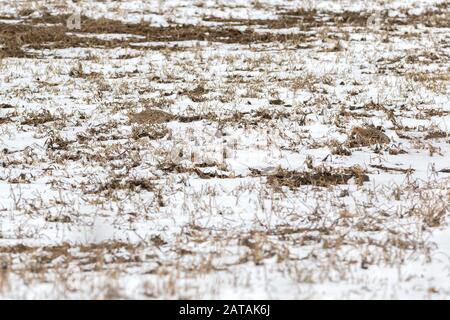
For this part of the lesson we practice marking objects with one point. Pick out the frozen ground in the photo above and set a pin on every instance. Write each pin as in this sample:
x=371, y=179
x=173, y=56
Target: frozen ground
x=225, y=149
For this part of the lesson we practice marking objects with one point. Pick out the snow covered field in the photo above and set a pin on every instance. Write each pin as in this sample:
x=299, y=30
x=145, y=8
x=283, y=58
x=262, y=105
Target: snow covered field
x=210, y=149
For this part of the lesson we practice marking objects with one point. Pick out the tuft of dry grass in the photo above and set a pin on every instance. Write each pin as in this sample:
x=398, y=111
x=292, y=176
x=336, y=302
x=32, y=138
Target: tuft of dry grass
x=322, y=177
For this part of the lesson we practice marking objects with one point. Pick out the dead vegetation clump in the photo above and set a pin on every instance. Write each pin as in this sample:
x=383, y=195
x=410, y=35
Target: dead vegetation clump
x=56, y=142
x=436, y=134
x=35, y=118
x=432, y=212
x=198, y=117
x=198, y=169
x=384, y=168
x=58, y=218
x=379, y=107
x=435, y=81
x=87, y=256
x=265, y=114
x=338, y=148
x=322, y=177
x=122, y=183
x=5, y=119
